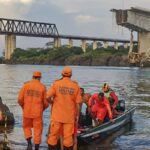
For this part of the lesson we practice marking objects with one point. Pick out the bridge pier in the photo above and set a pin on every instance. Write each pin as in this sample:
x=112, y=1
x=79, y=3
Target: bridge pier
x=125, y=45
x=57, y=42
x=105, y=44
x=144, y=42
x=116, y=45
x=94, y=45
x=10, y=45
x=83, y=45
x=70, y=43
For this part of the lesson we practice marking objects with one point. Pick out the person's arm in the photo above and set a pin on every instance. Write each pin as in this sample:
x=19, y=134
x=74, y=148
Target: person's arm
x=46, y=104
x=107, y=104
x=78, y=113
x=50, y=94
x=78, y=102
x=21, y=97
x=90, y=102
x=115, y=98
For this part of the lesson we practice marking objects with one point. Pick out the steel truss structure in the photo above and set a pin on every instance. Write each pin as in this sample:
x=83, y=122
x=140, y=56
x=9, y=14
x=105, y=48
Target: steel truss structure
x=27, y=28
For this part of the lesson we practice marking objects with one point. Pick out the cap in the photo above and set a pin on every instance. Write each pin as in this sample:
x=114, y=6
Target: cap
x=67, y=72
x=37, y=74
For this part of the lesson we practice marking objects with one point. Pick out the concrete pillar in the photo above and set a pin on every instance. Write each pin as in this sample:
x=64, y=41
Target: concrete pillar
x=57, y=42
x=94, y=45
x=83, y=45
x=116, y=45
x=70, y=43
x=131, y=42
x=105, y=44
x=10, y=45
x=143, y=42
x=125, y=45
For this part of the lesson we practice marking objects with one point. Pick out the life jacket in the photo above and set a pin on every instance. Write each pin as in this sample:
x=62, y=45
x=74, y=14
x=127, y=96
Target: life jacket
x=107, y=94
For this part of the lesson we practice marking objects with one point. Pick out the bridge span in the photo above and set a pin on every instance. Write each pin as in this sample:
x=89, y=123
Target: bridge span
x=12, y=28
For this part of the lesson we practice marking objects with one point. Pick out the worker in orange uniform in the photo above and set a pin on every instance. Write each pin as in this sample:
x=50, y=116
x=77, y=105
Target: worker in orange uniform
x=112, y=97
x=32, y=99
x=65, y=110
x=99, y=105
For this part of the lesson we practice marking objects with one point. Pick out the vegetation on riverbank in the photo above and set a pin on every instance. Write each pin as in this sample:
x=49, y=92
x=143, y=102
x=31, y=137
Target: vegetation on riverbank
x=71, y=56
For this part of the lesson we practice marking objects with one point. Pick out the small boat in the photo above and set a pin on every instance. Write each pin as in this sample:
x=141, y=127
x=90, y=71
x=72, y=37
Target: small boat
x=93, y=134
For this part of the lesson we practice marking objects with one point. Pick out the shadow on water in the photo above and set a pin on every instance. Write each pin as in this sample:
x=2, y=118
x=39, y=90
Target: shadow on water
x=107, y=142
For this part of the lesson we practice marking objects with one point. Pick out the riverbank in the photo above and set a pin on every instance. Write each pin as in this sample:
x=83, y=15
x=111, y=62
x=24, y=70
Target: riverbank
x=72, y=56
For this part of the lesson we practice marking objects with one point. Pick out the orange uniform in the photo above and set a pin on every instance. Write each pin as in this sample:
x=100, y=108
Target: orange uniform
x=100, y=107
x=32, y=99
x=66, y=95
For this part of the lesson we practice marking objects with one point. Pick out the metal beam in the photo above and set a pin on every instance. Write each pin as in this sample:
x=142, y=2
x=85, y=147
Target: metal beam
x=27, y=28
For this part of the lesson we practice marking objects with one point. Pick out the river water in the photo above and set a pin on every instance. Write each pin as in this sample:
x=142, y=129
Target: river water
x=131, y=84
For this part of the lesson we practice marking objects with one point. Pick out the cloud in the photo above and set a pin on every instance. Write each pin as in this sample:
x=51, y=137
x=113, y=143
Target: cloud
x=66, y=6
x=15, y=8
x=16, y=1
x=86, y=19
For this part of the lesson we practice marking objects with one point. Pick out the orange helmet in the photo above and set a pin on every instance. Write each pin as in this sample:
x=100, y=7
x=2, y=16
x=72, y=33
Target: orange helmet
x=67, y=72
x=105, y=87
x=37, y=74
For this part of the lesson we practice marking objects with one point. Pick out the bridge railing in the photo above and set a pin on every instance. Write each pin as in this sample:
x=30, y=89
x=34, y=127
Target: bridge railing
x=27, y=28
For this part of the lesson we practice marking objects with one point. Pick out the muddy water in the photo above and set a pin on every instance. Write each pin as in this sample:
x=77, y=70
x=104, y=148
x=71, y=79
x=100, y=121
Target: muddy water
x=131, y=84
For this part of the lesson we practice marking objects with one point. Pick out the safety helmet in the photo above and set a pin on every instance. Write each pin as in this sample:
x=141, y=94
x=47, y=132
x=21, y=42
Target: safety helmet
x=37, y=74
x=67, y=72
x=105, y=87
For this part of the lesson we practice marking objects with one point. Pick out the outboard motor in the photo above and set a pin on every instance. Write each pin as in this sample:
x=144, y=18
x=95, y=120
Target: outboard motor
x=120, y=106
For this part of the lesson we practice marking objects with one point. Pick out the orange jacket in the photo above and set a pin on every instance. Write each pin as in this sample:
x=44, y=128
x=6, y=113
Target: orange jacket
x=66, y=95
x=32, y=98
x=102, y=104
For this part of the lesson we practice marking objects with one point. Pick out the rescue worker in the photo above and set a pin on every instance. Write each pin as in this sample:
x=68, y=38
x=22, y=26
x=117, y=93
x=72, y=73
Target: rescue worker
x=112, y=97
x=32, y=99
x=65, y=110
x=85, y=96
x=85, y=117
x=100, y=106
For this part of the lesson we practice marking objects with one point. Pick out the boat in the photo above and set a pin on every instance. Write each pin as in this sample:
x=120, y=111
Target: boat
x=93, y=134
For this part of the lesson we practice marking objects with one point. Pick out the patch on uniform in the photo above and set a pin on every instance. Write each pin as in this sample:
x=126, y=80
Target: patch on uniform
x=33, y=93
x=66, y=90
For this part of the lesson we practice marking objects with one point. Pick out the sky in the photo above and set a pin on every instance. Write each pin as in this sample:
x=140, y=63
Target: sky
x=72, y=17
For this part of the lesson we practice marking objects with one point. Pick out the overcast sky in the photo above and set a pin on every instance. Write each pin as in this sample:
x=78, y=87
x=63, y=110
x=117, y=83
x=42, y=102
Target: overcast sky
x=72, y=17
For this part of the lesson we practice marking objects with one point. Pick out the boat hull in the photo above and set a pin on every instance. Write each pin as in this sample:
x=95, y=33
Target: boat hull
x=101, y=132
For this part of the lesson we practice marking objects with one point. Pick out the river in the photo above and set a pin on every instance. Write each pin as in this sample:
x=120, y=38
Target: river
x=131, y=84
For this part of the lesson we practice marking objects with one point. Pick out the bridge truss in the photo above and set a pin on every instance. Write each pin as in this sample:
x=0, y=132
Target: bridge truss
x=27, y=28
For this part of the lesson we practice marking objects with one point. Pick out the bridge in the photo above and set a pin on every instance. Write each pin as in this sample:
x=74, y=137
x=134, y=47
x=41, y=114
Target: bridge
x=136, y=19
x=12, y=28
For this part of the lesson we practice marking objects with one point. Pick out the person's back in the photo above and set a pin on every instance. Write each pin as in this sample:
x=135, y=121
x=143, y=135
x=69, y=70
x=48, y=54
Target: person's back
x=32, y=99
x=65, y=94
x=65, y=110
x=33, y=95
